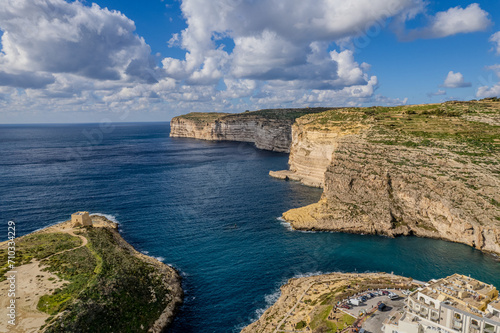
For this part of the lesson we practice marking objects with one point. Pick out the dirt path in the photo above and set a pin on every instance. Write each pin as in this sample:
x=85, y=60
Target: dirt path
x=31, y=284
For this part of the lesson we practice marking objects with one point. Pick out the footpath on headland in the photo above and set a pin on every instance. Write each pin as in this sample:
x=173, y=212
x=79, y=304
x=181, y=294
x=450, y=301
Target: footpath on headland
x=380, y=302
x=86, y=279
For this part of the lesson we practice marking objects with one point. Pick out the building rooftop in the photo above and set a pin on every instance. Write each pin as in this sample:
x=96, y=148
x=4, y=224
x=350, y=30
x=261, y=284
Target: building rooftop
x=462, y=292
x=495, y=304
x=394, y=318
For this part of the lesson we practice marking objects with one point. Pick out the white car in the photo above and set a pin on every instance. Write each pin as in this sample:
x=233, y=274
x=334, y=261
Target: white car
x=393, y=296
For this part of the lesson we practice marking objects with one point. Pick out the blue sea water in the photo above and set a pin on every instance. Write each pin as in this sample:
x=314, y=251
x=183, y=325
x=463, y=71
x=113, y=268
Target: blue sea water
x=209, y=209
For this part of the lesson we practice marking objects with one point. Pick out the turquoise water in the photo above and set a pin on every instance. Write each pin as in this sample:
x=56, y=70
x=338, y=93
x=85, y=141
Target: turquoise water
x=209, y=209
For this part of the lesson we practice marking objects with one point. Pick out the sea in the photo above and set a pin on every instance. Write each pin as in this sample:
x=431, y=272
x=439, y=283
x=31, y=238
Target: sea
x=209, y=209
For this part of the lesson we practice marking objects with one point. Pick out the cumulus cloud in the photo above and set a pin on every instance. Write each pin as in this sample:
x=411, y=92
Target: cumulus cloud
x=455, y=80
x=280, y=53
x=485, y=91
x=454, y=21
x=276, y=40
x=54, y=36
x=24, y=79
x=495, y=39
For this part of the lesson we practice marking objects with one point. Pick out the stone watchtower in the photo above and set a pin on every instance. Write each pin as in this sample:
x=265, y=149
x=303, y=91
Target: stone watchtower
x=81, y=219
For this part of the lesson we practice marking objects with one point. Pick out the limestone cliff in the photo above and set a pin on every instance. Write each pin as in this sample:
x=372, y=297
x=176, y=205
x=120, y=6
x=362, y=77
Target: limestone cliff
x=268, y=129
x=428, y=170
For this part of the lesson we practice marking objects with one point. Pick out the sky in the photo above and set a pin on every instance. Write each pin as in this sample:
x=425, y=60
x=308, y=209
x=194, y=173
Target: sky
x=128, y=60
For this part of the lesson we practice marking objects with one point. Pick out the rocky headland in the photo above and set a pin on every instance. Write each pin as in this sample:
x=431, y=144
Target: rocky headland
x=87, y=279
x=308, y=304
x=267, y=129
x=426, y=170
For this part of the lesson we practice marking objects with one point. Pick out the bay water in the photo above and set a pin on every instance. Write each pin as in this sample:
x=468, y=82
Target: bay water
x=209, y=209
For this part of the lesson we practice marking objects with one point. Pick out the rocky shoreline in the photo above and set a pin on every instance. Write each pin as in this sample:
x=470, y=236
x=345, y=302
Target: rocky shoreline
x=310, y=301
x=52, y=278
x=436, y=188
x=425, y=170
x=172, y=279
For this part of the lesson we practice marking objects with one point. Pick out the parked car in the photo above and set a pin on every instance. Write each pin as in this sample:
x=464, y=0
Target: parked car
x=363, y=298
x=385, y=292
x=355, y=301
x=393, y=296
x=381, y=306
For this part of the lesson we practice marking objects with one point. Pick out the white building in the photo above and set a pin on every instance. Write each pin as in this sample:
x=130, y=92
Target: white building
x=454, y=304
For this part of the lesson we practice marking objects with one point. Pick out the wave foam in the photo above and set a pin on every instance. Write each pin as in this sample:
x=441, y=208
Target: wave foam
x=110, y=217
x=272, y=298
x=303, y=275
x=284, y=223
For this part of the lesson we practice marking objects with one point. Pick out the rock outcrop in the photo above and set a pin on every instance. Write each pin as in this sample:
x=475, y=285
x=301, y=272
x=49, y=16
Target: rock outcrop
x=312, y=150
x=267, y=129
x=89, y=279
x=413, y=170
x=304, y=301
x=426, y=170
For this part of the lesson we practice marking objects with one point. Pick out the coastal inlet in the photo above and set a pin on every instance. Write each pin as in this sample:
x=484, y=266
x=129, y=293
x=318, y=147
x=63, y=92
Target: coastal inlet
x=179, y=199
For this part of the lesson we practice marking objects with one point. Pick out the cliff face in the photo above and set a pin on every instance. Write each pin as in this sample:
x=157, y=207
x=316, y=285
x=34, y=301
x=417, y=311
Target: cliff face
x=268, y=129
x=312, y=150
x=401, y=174
x=266, y=134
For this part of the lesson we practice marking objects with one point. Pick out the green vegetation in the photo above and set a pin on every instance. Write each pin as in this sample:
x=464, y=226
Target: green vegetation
x=106, y=289
x=321, y=323
x=110, y=290
x=286, y=114
x=467, y=128
x=77, y=267
x=279, y=114
x=300, y=325
x=37, y=246
x=203, y=117
x=320, y=316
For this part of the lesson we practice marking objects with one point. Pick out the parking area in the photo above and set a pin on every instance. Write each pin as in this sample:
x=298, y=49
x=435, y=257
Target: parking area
x=373, y=324
x=370, y=303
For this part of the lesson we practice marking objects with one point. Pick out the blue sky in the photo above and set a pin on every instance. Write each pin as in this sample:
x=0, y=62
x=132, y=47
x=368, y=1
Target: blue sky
x=66, y=61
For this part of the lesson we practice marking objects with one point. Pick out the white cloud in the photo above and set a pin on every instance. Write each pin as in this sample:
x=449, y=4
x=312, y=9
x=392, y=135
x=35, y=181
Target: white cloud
x=275, y=40
x=279, y=46
x=455, y=80
x=24, y=79
x=495, y=39
x=454, y=21
x=485, y=91
x=54, y=36
x=58, y=53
